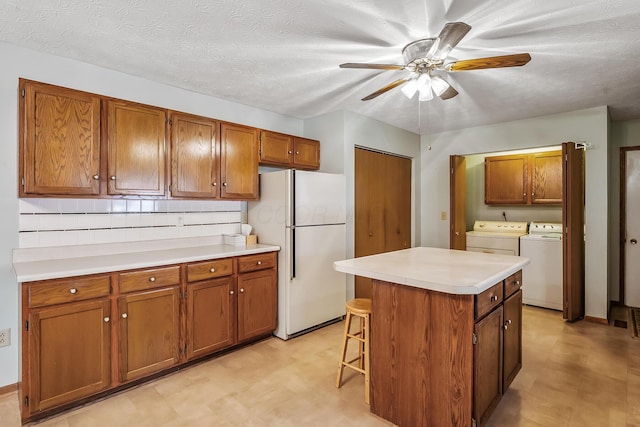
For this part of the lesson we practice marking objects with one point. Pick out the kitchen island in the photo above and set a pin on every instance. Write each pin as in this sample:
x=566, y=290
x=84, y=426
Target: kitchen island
x=446, y=336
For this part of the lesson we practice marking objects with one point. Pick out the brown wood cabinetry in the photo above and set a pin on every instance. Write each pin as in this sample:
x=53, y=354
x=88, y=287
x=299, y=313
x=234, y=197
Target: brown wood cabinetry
x=238, y=162
x=59, y=141
x=524, y=179
x=277, y=149
x=87, y=335
x=136, y=145
x=66, y=342
x=257, y=295
x=487, y=369
x=195, y=169
x=512, y=362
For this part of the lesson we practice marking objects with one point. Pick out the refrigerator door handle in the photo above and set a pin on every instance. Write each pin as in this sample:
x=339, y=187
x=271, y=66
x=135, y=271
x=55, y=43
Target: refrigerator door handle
x=292, y=261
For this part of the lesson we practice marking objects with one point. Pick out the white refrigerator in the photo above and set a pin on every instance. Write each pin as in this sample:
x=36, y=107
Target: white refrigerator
x=304, y=213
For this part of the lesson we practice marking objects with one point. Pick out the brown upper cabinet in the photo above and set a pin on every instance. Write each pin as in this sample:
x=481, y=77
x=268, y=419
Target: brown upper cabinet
x=59, y=141
x=238, y=162
x=523, y=179
x=277, y=149
x=136, y=145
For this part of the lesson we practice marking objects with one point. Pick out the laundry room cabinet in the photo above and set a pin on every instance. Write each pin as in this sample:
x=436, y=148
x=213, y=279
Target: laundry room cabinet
x=524, y=179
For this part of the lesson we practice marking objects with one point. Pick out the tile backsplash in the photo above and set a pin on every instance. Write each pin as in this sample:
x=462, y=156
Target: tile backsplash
x=61, y=222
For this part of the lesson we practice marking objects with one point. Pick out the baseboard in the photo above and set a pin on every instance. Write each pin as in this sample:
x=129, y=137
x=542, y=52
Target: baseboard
x=8, y=389
x=596, y=320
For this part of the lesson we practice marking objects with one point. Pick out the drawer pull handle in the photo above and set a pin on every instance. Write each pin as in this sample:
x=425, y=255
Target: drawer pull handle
x=124, y=315
x=518, y=282
x=259, y=262
x=106, y=320
x=73, y=291
x=241, y=290
x=152, y=279
x=230, y=292
x=212, y=270
x=494, y=298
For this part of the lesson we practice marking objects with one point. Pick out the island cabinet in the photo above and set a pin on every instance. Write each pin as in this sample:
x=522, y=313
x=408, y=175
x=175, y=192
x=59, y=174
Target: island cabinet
x=60, y=141
x=524, y=179
x=67, y=331
x=277, y=149
x=149, y=321
x=416, y=332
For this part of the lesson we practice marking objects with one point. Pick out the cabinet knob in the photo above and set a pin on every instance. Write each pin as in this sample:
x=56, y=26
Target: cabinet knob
x=152, y=279
x=505, y=327
x=213, y=184
x=124, y=315
x=289, y=152
x=533, y=194
x=230, y=292
x=96, y=176
x=112, y=177
x=524, y=194
x=106, y=320
x=508, y=322
x=297, y=152
x=241, y=290
x=494, y=298
x=457, y=233
x=73, y=291
x=259, y=262
x=224, y=184
x=518, y=282
x=212, y=270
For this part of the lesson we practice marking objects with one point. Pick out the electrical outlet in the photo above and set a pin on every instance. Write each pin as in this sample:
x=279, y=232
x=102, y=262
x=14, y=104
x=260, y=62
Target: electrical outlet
x=5, y=337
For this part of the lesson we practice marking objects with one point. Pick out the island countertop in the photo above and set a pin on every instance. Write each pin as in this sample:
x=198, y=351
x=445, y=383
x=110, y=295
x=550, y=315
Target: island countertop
x=436, y=269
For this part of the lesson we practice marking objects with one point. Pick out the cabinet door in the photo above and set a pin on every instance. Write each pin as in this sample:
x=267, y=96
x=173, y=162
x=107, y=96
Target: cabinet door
x=194, y=157
x=136, y=145
x=306, y=153
x=256, y=304
x=505, y=180
x=546, y=178
x=238, y=162
x=60, y=141
x=512, y=338
x=487, y=358
x=69, y=353
x=149, y=332
x=211, y=314
x=276, y=148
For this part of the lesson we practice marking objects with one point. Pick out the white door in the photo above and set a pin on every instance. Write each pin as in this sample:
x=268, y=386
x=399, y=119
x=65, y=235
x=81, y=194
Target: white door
x=317, y=293
x=632, y=226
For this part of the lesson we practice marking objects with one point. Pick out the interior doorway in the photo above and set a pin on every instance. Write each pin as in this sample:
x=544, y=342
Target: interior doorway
x=382, y=207
x=630, y=226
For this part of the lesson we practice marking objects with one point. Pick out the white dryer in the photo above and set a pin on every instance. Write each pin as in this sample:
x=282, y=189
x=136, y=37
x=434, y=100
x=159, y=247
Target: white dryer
x=496, y=237
x=542, y=277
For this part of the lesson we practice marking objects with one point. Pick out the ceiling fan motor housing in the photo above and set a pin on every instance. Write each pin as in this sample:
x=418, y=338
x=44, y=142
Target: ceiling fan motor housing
x=417, y=52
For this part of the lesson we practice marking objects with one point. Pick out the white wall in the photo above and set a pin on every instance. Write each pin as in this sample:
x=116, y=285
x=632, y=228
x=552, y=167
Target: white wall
x=18, y=62
x=589, y=125
x=340, y=133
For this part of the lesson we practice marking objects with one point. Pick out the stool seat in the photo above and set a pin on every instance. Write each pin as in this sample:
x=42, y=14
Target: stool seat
x=360, y=308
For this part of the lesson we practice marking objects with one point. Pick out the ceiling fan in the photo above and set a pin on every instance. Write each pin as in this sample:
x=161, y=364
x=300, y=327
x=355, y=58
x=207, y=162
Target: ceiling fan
x=425, y=56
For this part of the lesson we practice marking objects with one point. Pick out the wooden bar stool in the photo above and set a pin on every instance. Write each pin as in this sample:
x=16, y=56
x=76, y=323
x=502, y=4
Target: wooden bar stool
x=360, y=308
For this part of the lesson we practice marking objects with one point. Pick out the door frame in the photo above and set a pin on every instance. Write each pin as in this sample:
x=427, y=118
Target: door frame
x=623, y=218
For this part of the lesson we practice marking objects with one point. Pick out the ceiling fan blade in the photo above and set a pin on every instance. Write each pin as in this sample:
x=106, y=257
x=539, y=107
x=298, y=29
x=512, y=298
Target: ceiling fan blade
x=372, y=66
x=448, y=38
x=385, y=88
x=516, y=60
x=449, y=93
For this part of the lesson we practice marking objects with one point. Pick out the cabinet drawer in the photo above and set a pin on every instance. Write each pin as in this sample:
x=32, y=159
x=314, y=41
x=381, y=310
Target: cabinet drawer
x=512, y=283
x=488, y=300
x=68, y=290
x=149, y=279
x=209, y=269
x=256, y=262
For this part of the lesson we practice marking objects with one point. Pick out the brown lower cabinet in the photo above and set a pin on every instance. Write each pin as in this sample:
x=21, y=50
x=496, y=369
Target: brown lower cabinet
x=84, y=336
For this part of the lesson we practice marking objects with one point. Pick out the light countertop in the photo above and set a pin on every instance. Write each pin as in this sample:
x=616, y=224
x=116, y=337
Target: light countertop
x=67, y=261
x=443, y=270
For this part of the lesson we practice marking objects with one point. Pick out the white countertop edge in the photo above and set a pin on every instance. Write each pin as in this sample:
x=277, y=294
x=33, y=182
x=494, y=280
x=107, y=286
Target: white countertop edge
x=29, y=271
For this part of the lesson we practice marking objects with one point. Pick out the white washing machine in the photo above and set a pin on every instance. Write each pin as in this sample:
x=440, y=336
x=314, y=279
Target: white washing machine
x=542, y=277
x=496, y=237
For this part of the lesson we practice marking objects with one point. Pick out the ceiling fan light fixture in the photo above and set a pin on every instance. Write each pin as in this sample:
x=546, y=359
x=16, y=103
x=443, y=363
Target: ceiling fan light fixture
x=424, y=87
x=410, y=88
x=439, y=85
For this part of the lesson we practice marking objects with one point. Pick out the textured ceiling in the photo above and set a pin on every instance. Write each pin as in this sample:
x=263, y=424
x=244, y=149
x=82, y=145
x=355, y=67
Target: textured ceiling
x=283, y=55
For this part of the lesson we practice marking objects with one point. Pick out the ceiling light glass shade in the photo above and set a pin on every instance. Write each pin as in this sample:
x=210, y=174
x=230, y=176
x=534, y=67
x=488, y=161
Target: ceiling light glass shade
x=424, y=87
x=439, y=85
x=410, y=88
